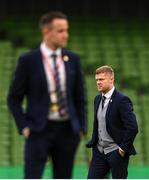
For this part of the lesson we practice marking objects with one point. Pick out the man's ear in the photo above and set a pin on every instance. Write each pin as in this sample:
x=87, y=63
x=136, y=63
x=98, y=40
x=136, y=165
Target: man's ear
x=112, y=78
x=45, y=30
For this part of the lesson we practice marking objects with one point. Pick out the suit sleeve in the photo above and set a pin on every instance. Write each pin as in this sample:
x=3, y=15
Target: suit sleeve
x=130, y=124
x=81, y=100
x=94, y=138
x=16, y=94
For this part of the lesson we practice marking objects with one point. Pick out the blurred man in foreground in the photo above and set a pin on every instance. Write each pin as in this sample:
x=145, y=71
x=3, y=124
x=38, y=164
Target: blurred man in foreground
x=50, y=78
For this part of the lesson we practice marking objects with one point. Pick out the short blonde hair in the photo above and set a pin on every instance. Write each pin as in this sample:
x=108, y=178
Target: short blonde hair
x=105, y=69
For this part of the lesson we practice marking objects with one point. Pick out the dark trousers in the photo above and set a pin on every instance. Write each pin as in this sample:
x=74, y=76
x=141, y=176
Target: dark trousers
x=101, y=164
x=57, y=142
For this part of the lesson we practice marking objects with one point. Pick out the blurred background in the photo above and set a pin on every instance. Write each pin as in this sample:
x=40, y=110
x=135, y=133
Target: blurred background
x=111, y=32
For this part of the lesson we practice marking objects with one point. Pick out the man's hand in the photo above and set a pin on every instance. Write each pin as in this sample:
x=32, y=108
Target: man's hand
x=121, y=152
x=26, y=132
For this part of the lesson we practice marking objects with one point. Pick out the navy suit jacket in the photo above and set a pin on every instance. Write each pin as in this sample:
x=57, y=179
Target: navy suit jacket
x=30, y=81
x=121, y=122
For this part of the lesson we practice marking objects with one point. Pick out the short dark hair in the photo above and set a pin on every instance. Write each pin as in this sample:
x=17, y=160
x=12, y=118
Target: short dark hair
x=49, y=17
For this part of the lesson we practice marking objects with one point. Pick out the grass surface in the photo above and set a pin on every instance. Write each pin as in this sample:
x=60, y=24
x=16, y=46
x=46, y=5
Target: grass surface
x=80, y=172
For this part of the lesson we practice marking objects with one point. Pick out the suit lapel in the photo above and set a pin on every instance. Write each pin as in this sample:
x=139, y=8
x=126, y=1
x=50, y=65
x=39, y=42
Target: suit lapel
x=65, y=59
x=110, y=105
x=41, y=69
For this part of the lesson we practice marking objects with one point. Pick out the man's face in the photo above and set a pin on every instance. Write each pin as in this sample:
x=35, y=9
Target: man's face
x=104, y=82
x=57, y=34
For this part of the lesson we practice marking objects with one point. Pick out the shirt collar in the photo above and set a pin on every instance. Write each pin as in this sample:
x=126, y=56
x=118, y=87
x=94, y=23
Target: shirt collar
x=48, y=52
x=109, y=93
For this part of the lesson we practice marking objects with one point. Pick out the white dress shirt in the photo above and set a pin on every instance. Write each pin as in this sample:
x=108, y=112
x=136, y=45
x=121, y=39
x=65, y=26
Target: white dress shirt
x=49, y=66
x=49, y=71
x=108, y=96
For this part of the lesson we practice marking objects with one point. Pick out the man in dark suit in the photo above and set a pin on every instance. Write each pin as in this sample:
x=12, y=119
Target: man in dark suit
x=114, y=130
x=54, y=120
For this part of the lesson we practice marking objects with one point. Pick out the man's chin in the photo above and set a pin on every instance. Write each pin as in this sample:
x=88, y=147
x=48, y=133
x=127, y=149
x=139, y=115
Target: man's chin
x=100, y=90
x=63, y=45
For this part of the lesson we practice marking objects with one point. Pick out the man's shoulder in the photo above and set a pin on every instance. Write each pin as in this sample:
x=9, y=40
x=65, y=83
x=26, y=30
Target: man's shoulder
x=31, y=53
x=69, y=53
x=120, y=95
x=97, y=97
x=30, y=56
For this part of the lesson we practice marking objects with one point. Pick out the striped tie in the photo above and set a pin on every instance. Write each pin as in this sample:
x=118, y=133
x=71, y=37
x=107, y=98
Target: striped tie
x=103, y=101
x=61, y=98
